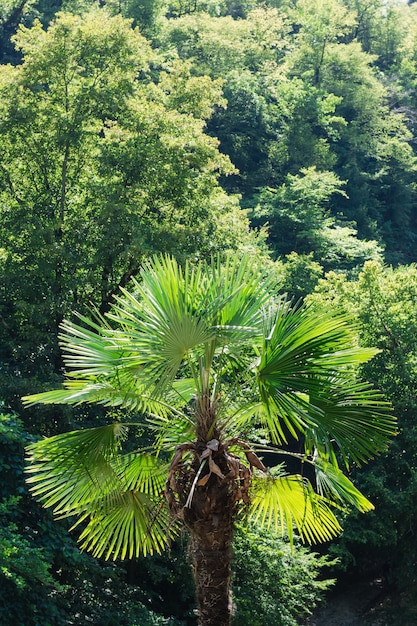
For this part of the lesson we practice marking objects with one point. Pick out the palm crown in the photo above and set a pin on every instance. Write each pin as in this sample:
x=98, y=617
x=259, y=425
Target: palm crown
x=222, y=372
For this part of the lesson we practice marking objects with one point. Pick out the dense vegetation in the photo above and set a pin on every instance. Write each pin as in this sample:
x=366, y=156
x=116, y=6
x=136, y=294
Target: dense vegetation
x=286, y=129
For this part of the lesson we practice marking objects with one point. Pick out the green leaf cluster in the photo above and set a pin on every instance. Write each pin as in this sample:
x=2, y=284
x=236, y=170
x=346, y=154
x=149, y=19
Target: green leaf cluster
x=383, y=300
x=211, y=352
x=274, y=585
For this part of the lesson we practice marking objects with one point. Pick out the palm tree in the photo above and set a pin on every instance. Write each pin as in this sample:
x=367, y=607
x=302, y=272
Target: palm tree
x=221, y=371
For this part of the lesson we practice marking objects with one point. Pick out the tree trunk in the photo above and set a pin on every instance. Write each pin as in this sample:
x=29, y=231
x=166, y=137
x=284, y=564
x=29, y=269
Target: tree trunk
x=206, y=496
x=210, y=520
x=212, y=575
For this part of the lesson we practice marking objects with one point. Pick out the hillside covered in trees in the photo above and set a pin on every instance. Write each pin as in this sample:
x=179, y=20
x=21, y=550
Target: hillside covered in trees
x=286, y=130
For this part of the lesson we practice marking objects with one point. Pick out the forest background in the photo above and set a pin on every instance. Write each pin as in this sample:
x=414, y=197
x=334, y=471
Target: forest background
x=196, y=127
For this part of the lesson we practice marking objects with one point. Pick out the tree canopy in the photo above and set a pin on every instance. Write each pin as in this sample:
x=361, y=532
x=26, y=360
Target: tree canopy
x=285, y=131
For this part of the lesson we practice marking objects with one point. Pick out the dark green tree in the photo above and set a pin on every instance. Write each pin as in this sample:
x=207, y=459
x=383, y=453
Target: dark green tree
x=383, y=300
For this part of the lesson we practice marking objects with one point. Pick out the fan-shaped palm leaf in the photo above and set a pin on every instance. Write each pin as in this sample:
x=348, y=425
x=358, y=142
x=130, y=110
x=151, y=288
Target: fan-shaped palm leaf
x=123, y=391
x=334, y=485
x=83, y=473
x=355, y=420
x=133, y=524
x=306, y=382
x=285, y=502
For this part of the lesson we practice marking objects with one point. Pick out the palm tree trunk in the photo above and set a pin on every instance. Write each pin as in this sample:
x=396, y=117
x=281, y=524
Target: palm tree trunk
x=210, y=521
x=212, y=574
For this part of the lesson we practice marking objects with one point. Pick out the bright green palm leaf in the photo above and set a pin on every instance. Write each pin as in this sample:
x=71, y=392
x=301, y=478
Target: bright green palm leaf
x=82, y=473
x=87, y=444
x=121, y=391
x=134, y=524
x=88, y=465
x=158, y=345
x=305, y=380
x=142, y=472
x=89, y=348
x=247, y=293
x=301, y=348
x=285, y=502
x=355, y=420
x=69, y=470
x=334, y=485
x=170, y=433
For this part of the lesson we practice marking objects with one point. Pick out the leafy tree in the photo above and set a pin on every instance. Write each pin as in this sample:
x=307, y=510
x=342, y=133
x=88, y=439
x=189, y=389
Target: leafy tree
x=380, y=28
x=285, y=588
x=143, y=13
x=300, y=274
x=302, y=93
x=273, y=119
x=220, y=45
x=380, y=176
x=11, y=13
x=296, y=212
x=372, y=147
x=299, y=218
x=319, y=24
x=221, y=367
x=383, y=300
x=104, y=160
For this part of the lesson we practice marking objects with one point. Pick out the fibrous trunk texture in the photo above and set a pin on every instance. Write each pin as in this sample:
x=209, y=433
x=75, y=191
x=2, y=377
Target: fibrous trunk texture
x=205, y=493
x=210, y=519
x=212, y=574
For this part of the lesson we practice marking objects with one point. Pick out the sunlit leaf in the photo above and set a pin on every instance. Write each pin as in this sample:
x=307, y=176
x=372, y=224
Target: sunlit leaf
x=283, y=503
x=333, y=484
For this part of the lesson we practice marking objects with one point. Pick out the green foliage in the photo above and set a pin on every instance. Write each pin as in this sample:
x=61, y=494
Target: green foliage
x=381, y=28
x=104, y=160
x=301, y=274
x=274, y=585
x=383, y=300
x=297, y=210
x=44, y=579
x=12, y=12
x=20, y=562
x=191, y=333
x=299, y=217
x=23, y=565
x=321, y=24
x=109, y=152
x=309, y=95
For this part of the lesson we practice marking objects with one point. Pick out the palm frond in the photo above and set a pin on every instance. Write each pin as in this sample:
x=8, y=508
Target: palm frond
x=355, y=420
x=334, y=485
x=141, y=471
x=285, y=502
x=123, y=391
x=306, y=378
x=158, y=345
x=82, y=473
x=69, y=470
x=244, y=293
x=301, y=344
x=240, y=417
x=87, y=445
x=170, y=433
x=133, y=524
x=90, y=349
